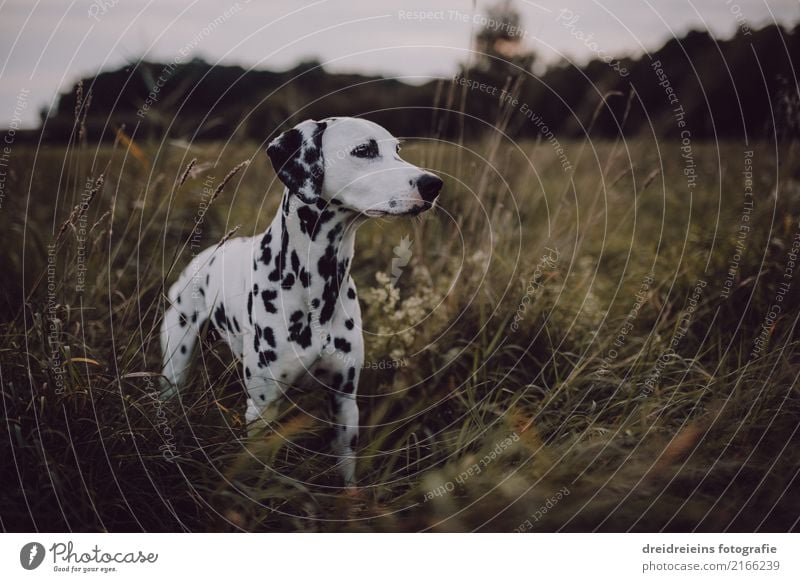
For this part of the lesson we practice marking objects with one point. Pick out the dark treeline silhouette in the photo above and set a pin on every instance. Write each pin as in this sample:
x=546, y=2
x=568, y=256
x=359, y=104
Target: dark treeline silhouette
x=745, y=85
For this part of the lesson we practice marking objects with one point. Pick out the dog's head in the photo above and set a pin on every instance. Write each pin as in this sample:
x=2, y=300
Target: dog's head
x=353, y=163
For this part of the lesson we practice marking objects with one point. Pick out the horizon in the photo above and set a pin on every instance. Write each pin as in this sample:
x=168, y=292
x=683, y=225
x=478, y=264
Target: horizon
x=405, y=40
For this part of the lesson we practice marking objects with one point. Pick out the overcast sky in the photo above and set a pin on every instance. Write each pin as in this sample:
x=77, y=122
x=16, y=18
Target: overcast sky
x=46, y=45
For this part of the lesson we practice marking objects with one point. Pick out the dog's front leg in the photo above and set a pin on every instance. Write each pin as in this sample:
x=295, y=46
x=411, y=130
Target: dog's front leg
x=346, y=439
x=341, y=371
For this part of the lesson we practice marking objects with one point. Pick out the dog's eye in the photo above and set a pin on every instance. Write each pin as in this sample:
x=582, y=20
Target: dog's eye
x=366, y=150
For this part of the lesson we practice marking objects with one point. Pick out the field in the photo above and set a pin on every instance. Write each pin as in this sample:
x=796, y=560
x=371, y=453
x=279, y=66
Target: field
x=604, y=344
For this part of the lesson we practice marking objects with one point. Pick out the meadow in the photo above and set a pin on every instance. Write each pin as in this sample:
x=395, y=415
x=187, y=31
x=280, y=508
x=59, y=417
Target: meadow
x=609, y=344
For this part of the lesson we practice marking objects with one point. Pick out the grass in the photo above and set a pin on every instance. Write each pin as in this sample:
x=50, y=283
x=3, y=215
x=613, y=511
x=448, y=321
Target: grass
x=527, y=373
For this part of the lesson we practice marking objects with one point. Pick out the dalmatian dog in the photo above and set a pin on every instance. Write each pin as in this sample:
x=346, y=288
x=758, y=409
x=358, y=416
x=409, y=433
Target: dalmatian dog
x=284, y=300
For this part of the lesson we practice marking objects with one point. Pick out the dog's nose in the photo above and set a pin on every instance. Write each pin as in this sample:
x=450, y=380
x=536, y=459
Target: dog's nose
x=429, y=186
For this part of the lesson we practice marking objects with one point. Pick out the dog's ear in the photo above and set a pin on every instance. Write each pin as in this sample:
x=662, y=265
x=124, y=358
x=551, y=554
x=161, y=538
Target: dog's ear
x=297, y=158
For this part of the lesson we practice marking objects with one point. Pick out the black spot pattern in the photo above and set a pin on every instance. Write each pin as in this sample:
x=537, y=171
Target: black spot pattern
x=256, y=337
x=300, y=332
x=280, y=258
x=267, y=297
x=329, y=271
x=221, y=319
x=312, y=221
x=298, y=162
x=265, y=357
x=342, y=345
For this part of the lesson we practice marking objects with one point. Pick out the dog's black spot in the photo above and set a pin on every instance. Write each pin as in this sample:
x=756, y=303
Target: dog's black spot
x=311, y=156
x=351, y=293
x=221, y=319
x=280, y=258
x=288, y=282
x=268, y=296
x=250, y=306
x=331, y=274
x=247, y=373
x=308, y=220
x=182, y=321
x=285, y=204
x=299, y=332
x=333, y=234
x=262, y=397
x=266, y=250
x=315, y=302
x=305, y=277
x=311, y=222
x=266, y=255
x=183, y=349
x=349, y=324
x=265, y=357
x=178, y=299
x=194, y=317
x=207, y=279
x=268, y=335
x=342, y=345
x=343, y=265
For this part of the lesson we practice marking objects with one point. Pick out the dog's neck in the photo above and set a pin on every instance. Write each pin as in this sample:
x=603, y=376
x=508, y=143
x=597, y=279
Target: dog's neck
x=312, y=248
